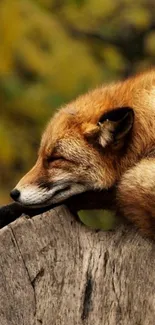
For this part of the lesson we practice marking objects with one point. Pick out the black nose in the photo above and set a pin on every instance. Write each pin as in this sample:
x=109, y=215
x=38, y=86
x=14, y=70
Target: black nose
x=15, y=194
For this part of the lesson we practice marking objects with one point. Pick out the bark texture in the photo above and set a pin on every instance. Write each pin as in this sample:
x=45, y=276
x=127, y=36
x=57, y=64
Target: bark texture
x=55, y=271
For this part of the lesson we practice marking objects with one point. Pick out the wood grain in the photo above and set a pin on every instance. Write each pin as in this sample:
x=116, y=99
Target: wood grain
x=55, y=271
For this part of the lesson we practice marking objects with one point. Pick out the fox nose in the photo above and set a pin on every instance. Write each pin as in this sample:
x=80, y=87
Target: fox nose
x=15, y=194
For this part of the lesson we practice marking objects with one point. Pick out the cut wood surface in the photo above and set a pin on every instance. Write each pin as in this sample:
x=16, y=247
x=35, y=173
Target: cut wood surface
x=53, y=271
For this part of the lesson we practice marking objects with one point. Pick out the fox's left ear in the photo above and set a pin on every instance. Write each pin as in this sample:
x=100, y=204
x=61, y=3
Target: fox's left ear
x=115, y=125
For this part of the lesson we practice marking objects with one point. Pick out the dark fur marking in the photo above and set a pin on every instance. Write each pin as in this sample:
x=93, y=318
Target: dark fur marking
x=116, y=114
x=42, y=183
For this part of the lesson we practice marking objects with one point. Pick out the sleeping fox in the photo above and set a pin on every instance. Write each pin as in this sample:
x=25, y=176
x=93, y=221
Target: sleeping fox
x=103, y=139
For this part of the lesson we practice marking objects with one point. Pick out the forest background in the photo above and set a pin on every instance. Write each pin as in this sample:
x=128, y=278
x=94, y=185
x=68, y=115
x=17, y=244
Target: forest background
x=53, y=50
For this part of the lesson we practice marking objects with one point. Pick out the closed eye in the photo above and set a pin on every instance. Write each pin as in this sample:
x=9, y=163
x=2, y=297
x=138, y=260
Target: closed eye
x=51, y=159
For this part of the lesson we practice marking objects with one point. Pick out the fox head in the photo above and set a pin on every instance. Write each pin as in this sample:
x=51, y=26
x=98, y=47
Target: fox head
x=89, y=143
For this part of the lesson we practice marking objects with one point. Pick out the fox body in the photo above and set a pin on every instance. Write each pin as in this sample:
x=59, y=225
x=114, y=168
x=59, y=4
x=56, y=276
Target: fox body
x=103, y=139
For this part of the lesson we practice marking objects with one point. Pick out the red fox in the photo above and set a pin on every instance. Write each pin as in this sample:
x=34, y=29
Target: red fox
x=103, y=139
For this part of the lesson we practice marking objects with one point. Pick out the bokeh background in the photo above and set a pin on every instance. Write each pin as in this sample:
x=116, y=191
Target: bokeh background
x=53, y=50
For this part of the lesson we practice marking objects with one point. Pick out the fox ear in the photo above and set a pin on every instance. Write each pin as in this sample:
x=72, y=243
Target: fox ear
x=115, y=125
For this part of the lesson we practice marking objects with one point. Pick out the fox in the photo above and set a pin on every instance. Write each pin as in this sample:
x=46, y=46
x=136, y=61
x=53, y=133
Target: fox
x=103, y=140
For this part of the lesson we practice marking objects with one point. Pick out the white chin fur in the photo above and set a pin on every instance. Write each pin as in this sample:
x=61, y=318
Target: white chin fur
x=36, y=196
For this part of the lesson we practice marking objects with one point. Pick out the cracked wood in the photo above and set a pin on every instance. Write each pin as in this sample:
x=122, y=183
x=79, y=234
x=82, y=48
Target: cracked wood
x=55, y=271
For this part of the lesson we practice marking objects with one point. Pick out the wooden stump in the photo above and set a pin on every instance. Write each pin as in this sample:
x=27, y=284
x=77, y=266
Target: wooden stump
x=55, y=271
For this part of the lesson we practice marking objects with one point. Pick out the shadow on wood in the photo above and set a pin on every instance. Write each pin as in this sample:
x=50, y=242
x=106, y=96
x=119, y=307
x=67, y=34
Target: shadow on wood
x=55, y=271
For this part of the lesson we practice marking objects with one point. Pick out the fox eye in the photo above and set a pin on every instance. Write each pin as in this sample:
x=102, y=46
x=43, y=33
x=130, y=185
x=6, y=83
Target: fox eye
x=51, y=159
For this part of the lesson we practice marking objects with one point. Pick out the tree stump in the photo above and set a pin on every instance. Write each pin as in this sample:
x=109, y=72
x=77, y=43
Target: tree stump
x=55, y=271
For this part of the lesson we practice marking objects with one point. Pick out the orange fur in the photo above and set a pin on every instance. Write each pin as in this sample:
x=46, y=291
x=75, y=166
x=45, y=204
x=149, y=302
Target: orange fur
x=78, y=149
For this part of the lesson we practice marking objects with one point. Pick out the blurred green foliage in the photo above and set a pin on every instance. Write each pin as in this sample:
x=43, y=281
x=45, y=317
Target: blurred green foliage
x=53, y=50
x=99, y=219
